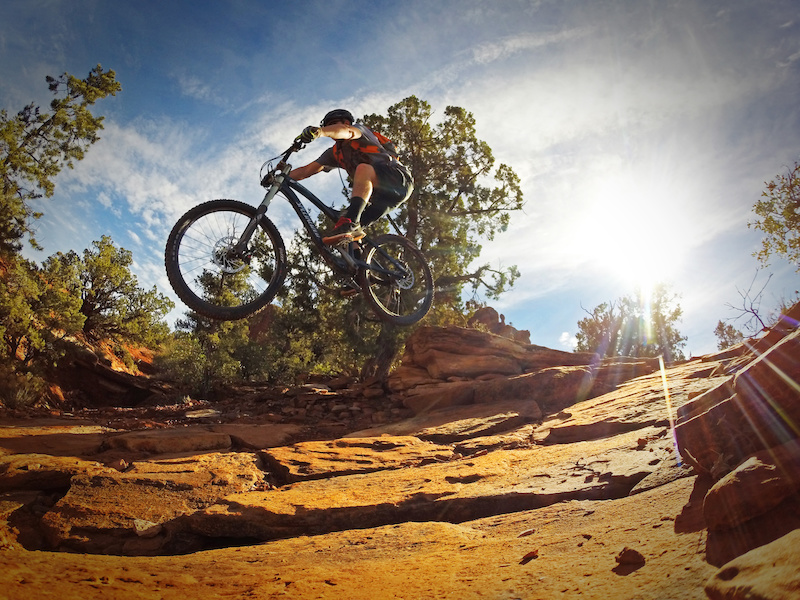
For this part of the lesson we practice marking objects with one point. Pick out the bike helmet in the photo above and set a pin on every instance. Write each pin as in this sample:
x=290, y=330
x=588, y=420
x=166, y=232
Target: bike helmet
x=339, y=113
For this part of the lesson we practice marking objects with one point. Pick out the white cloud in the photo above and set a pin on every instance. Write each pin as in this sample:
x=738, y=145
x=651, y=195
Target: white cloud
x=567, y=340
x=499, y=50
x=196, y=87
x=656, y=120
x=790, y=60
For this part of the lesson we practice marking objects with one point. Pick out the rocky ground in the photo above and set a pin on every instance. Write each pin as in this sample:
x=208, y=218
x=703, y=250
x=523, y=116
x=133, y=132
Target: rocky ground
x=484, y=468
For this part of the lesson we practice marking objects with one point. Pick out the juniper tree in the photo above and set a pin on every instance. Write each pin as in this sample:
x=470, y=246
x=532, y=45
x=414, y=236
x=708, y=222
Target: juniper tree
x=35, y=145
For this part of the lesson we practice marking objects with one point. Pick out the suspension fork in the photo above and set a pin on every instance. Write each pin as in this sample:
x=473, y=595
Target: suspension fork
x=244, y=239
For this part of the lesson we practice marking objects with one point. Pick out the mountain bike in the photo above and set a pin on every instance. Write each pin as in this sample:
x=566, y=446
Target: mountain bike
x=226, y=259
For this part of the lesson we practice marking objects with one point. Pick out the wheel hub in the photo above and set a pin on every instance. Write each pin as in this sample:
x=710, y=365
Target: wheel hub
x=407, y=282
x=225, y=258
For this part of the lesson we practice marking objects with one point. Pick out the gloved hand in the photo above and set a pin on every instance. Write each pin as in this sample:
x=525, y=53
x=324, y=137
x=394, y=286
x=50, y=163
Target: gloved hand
x=309, y=134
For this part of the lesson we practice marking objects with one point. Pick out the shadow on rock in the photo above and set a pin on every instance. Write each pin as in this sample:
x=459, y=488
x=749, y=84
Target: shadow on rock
x=691, y=518
x=724, y=545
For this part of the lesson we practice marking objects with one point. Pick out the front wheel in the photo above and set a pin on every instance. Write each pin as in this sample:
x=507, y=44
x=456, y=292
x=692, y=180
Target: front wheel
x=212, y=272
x=398, y=284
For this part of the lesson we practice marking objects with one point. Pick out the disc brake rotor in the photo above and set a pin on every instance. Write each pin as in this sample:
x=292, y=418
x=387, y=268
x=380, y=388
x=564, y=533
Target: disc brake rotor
x=222, y=255
x=407, y=282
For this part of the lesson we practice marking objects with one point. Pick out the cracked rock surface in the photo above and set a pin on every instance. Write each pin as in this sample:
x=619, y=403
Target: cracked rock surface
x=571, y=490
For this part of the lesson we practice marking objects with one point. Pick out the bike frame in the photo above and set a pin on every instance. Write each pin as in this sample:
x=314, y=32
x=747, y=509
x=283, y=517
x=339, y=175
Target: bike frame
x=288, y=188
x=340, y=260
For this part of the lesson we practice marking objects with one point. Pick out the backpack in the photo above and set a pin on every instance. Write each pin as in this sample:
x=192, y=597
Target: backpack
x=378, y=144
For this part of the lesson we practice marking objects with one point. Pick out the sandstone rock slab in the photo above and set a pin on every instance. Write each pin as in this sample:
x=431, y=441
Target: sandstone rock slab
x=42, y=471
x=103, y=512
x=441, y=365
x=169, y=441
x=576, y=541
x=769, y=573
x=638, y=403
x=348, y=456
x=760, y=409
x=53, y=437
x=452, y=491
x=455, y=422
x=753, y=488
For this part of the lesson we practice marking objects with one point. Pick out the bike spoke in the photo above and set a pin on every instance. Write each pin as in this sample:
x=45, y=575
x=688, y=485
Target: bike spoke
x=398, y=280
x=208, y=271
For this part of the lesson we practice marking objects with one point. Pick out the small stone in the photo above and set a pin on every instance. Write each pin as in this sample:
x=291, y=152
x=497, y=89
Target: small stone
x=629, y=556
x=203, y=413
x=120, y=465
x=372, y=393
x=527, y=532
x=146, y=529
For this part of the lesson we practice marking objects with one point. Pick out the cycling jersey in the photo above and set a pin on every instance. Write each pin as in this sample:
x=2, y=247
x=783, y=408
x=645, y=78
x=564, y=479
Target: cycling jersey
x=371, y=148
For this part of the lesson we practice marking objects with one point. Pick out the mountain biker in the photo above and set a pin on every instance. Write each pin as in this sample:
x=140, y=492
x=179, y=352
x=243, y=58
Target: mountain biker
x=381, y=182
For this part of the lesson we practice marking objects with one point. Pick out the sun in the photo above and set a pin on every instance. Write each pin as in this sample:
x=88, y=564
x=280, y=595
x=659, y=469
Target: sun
x=629, y=234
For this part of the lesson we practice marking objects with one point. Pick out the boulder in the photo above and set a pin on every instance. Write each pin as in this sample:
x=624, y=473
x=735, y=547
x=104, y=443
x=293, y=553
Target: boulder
x=488, y=318
x=769, y=573
x=759, y=408
x=441, y=365
x=755, y=487
x=450, y=366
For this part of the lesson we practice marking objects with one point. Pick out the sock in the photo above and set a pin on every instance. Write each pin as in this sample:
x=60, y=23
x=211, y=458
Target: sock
x=357, y=205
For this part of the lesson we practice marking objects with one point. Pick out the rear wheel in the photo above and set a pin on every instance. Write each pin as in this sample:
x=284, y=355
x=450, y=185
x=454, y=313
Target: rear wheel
x=398, y=285
x=209, y=273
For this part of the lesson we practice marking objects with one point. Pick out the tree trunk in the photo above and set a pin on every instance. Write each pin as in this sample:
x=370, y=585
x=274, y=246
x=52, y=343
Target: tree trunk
x=388, y=343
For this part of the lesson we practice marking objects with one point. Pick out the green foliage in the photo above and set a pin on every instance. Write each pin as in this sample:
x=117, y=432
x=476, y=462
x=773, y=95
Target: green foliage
x=19, y=390
x=778, y=214
x=36, y=145
x=459, y=197
x=182, y=357
x=634, y=325
x=21, y=290
x=727, y=335
x=96, y=295
x=111, y=303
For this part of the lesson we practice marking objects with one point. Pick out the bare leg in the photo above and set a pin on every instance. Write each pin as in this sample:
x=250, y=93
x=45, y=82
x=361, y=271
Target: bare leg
x=364, y=181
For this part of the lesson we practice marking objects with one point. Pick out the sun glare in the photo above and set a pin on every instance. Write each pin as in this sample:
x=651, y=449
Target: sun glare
x=629, y=234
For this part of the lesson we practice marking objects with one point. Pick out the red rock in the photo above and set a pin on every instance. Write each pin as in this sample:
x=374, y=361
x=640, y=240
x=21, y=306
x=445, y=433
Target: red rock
x=756, y=486
x=769, y=572
x=759, y=409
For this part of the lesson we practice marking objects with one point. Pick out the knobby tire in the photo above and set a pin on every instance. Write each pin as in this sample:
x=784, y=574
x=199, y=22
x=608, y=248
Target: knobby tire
x=205, y=273
x=404, y=295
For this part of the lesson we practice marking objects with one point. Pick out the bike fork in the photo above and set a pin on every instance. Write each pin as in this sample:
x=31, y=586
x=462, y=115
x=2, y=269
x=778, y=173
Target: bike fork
x=244, y=239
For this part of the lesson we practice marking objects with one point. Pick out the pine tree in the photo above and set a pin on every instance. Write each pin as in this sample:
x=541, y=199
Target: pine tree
x=36, y=145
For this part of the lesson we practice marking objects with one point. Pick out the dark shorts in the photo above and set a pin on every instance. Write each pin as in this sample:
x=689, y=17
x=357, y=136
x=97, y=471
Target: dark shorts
x=395, y=185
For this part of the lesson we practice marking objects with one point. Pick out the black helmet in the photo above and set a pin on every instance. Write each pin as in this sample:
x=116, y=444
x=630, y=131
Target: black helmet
x=339, y=113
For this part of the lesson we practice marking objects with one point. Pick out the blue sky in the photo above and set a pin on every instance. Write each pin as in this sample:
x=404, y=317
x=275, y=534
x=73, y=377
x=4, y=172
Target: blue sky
x=643, y=131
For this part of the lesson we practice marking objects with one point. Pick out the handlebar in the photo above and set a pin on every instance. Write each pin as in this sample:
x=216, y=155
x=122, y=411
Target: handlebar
x=295, y=147
x=282, y=165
